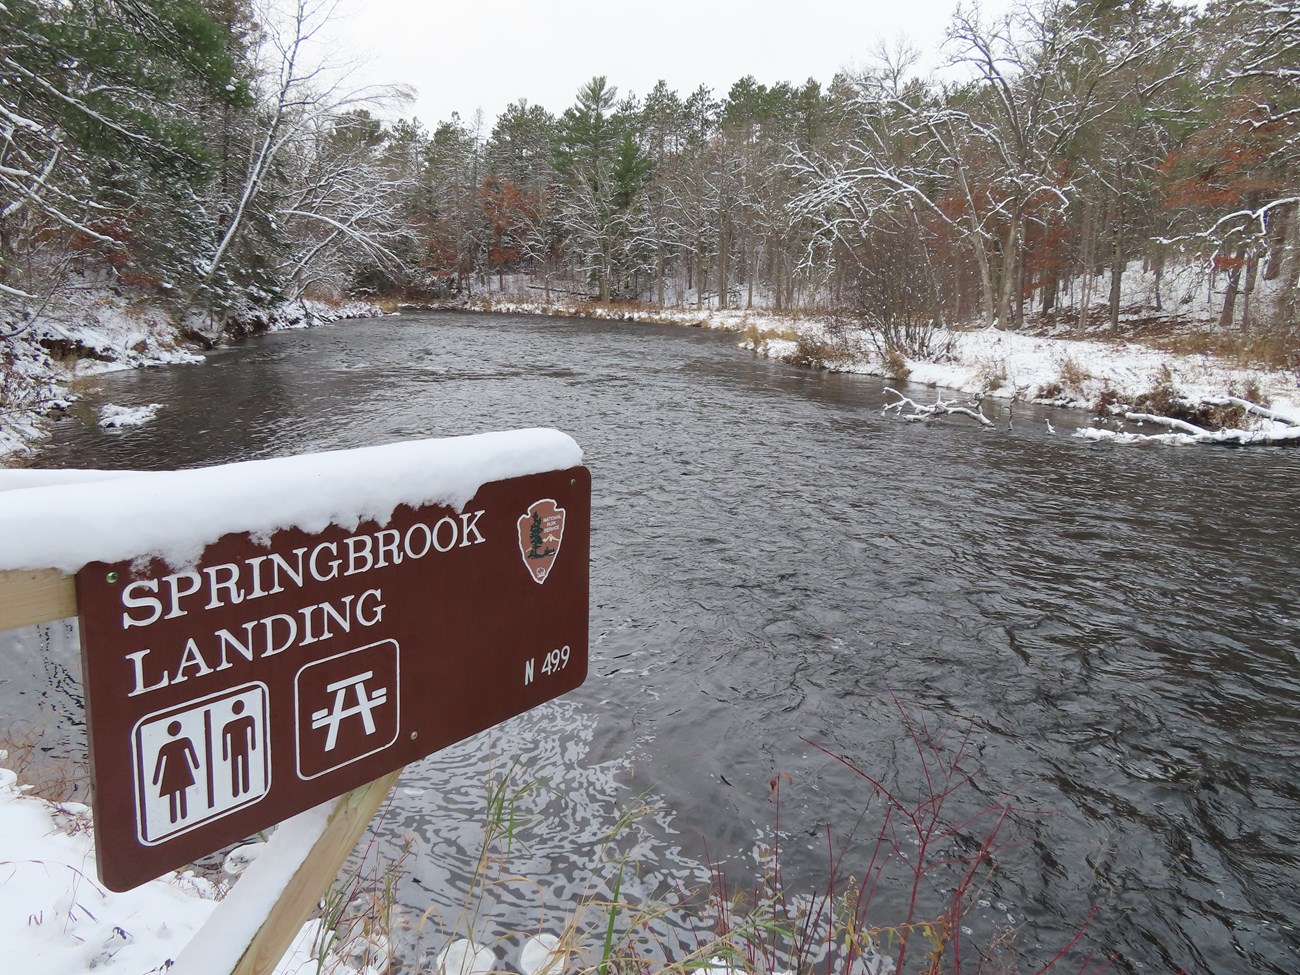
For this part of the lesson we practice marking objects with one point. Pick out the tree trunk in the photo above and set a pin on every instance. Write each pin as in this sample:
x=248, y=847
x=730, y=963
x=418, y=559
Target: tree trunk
x=722, y=266
x=1159, y=265
x=1116, y=279
x=1229, y=313
x=750, y=274
x=701, y=277
x=1050, y=284
x=1277, y=234
x=1085, y=294
x=1019, y=295
x=659, y=273
x=1252, y=266
x=1010, y=251
x=776, y=277
x=981, y=254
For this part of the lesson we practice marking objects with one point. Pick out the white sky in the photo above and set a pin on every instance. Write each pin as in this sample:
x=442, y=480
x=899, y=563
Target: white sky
x=468, y=55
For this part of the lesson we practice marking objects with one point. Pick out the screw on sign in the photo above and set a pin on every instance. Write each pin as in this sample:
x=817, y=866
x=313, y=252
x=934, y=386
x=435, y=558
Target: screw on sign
x=274, y=675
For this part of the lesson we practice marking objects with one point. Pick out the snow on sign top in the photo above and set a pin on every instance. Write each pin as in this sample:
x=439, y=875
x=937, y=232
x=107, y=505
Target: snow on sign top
x=174, y=515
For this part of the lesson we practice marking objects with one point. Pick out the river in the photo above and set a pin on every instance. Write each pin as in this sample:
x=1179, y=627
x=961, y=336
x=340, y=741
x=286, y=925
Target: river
x=774, y=562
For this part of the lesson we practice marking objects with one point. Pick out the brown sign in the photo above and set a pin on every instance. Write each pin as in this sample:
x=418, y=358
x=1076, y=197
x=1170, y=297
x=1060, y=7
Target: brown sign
x=272, y=677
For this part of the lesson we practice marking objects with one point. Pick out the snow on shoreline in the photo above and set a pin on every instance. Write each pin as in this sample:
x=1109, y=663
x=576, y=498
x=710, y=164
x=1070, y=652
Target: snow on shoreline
x=986, y=362
x=57, y=918
x=96, y=329
x=106, y=333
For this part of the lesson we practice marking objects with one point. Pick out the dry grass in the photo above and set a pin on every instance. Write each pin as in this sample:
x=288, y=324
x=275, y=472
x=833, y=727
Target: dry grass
x=895, y=364
x=45, y=776
x=1272, y=350
x=992, y=375
x=1073, y=376
x=758, y=339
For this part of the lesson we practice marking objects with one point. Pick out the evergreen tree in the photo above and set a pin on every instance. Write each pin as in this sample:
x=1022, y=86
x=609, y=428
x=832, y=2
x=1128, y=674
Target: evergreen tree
x=604, y=171
x=99, y=141
x=535, y=539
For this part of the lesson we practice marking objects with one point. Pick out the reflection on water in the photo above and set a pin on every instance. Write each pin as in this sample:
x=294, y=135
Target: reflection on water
x=771, y=558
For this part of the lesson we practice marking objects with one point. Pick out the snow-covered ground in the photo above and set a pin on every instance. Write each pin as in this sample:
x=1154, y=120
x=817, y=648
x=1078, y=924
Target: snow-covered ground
x=985, y=362
x=1056, y=371
x=56, y=918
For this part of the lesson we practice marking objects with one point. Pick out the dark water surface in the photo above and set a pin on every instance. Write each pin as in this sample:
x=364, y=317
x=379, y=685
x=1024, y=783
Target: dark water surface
x=1117, y=628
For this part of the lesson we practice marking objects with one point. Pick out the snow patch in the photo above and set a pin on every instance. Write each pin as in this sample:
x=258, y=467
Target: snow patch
x=174, y=515
x=57, y=918
x=112, y=416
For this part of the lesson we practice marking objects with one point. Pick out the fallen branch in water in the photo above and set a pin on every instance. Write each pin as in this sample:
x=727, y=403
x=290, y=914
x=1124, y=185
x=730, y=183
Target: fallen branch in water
x=940, y=407
x=1255, y=408
x=1282, y=431
x=1173, y=423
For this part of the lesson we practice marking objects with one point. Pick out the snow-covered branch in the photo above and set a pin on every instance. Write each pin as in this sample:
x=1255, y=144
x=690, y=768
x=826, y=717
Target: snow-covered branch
x=939, y=408
x=1281, y=431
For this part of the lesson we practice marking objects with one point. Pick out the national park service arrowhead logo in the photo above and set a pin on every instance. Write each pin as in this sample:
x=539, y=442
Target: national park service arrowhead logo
x=540, y=532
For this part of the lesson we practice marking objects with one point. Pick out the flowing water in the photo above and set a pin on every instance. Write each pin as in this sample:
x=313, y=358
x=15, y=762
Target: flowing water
x=773, y=563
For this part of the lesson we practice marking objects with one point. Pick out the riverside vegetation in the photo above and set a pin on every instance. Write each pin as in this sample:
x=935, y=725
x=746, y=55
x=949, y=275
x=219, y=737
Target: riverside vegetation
x=929, y=840
x=215, y=177
x=926, y=839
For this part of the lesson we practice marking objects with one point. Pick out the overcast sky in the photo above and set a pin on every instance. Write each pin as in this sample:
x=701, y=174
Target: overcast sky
x=487, y=53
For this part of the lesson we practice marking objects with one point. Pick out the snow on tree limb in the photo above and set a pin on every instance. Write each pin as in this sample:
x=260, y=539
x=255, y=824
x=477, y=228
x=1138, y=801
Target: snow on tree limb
x=940, y=407
x=1285, y=430
x=1168, y=421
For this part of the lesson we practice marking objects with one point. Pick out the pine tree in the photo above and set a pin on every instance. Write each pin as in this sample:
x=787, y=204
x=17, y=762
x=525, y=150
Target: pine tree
x=535, y=539
x=604, y=171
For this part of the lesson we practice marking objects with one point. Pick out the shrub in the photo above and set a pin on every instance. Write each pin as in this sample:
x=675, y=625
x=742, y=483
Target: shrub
x=1107, y=401
x=824, y=348
x=935, y=841
x=1163, y=400
x=1073, y=376
x=991, y=375
x=895, y=364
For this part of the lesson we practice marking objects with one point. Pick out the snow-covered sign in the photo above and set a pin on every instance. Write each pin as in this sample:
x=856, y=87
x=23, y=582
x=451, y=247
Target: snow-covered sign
x=286, y=665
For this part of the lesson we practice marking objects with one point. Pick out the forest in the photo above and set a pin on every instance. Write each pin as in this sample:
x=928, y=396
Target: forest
x=196, y=152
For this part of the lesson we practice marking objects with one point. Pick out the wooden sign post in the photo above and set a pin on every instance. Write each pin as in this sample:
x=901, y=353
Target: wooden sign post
x=276, y=674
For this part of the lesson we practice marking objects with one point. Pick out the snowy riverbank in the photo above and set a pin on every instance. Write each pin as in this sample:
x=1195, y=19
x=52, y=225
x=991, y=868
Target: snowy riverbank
x=94, y=330
x=102, y=332
x=1103, y=374
x=1058, y=371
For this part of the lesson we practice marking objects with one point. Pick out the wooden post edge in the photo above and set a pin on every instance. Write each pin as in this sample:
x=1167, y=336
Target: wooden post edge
x=226, y=932
x=35, y=596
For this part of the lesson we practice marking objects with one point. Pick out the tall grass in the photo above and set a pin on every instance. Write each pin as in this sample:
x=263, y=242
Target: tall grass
x=931, y=845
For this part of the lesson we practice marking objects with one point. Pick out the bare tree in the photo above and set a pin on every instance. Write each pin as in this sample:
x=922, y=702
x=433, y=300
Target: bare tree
x=300, y=100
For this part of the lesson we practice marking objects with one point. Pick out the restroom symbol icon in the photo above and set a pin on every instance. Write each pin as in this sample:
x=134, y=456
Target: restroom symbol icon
x=199, y=761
